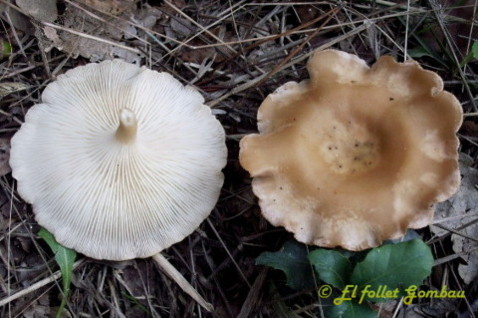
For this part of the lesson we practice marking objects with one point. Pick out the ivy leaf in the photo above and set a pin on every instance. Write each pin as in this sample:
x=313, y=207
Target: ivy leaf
x=292, y=260
x=394, y=266
x=410, y=235
x=65, y=258
x=331, y=266
x=350, y=309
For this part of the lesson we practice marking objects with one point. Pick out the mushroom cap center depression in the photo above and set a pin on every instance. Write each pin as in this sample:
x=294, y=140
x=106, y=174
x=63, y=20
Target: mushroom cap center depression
x=354, y=131
x=348, y=147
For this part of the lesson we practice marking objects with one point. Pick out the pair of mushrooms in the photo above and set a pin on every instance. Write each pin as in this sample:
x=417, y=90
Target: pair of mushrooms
x=120, y=162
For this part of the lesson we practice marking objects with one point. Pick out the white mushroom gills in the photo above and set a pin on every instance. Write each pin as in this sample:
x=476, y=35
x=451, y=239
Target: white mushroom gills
x=128, y=126
x=142, y=199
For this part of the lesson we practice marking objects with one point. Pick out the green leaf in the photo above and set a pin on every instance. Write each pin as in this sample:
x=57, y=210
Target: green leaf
x=419, y=52
x=5, y=49
x=474, y=50
x=331, y=266
x=392, y=267
x=350, y=309
x=473, y=54
x=292, y=260
x=410, y=235
x=137, y=303
x=65, y=258
x=49, y=239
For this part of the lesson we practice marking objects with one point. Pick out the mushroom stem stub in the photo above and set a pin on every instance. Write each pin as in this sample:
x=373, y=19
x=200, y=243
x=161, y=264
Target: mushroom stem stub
x=128, y=125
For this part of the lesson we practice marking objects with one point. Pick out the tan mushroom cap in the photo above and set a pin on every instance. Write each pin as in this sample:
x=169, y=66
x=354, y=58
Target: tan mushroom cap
x=119, y=161
x=355, y=155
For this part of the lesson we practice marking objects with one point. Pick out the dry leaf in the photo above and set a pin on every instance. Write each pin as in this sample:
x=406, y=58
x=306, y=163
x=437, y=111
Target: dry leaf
x=20, y=21
x=204, y=52
x=459, y=210
x=38, y=308
x=199, y=55
x=44, y=10
x=469, y=128
x=4, y=156
x=75, y=19
x=11, y=87
x=114, y=7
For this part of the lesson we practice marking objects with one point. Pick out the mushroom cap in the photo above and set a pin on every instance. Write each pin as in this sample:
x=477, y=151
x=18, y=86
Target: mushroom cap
x=355, y=155
x=114, y=197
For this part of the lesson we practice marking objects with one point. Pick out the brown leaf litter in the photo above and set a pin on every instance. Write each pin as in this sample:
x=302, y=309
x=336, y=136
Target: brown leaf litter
x=459, y=216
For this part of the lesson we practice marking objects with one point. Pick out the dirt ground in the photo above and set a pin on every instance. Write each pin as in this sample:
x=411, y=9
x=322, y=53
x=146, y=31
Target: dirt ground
x=235, y=53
